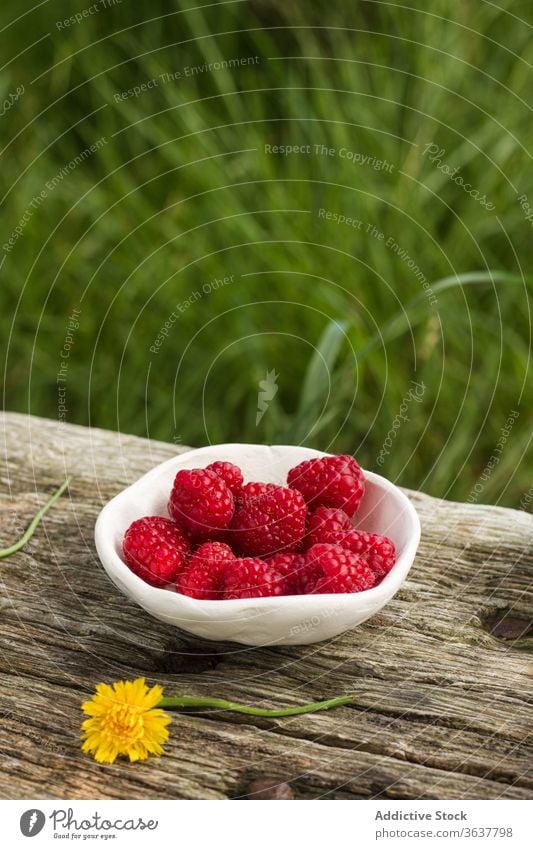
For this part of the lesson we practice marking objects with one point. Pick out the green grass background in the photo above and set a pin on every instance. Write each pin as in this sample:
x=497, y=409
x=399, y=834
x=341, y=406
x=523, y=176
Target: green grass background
x=183, y=192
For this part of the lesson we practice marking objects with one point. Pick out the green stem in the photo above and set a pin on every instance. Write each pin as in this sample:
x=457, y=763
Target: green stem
x=176, y=702
x=30, y=530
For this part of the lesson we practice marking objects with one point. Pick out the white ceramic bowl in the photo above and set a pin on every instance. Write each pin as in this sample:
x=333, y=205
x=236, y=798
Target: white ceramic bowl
x=285, y=620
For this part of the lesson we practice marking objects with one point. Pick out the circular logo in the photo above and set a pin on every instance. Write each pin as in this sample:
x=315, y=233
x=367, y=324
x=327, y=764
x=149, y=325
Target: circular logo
x=32, y=822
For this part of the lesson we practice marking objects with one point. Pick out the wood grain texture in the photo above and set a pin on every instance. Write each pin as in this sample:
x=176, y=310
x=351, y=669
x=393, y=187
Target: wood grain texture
x=443, y=707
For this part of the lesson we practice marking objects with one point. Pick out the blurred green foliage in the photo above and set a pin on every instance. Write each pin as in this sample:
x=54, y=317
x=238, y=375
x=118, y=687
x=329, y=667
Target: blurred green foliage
x=182, y=191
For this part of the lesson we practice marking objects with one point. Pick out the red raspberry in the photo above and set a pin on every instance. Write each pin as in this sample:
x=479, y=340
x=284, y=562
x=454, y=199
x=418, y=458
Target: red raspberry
x=252, y=578
x=290, y=566
x=201, y=502
x=253, y=490
x=378, y=551
x=230, y=474
x=329, y=482
x=268, y=519
x=327, y=524
x=204, y=576
x=155, y=549
x=332, y=569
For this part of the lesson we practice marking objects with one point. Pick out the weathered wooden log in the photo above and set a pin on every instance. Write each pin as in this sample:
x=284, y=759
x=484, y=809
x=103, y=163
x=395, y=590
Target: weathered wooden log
x=443, y=704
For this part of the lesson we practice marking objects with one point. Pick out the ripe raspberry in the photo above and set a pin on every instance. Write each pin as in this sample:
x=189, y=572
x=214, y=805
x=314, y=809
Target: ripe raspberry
x=332, y=569
x=204, y=575
x=329, y=482
x=290, y=566
x=230, y=474
x=378, y=551
x=201, y=502
x=155, y=549
x=257, y=488
x=327, y=524
x=268, y=519
x=252, y=578
x=252, y=490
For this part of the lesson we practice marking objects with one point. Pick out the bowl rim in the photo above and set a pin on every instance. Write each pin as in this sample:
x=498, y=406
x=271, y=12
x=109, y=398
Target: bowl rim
x=114, y=565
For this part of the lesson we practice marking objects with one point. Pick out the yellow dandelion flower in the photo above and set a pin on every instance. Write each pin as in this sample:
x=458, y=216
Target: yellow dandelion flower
x=124, y=720
x=127, y=717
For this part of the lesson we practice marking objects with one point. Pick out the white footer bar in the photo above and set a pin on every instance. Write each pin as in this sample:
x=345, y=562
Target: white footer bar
x=267, y=825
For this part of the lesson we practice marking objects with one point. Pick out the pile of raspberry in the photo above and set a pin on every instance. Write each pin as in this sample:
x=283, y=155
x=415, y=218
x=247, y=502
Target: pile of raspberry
x=226, y=539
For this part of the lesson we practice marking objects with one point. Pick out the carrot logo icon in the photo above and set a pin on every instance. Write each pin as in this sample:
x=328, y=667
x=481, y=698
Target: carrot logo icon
x=32, y=822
